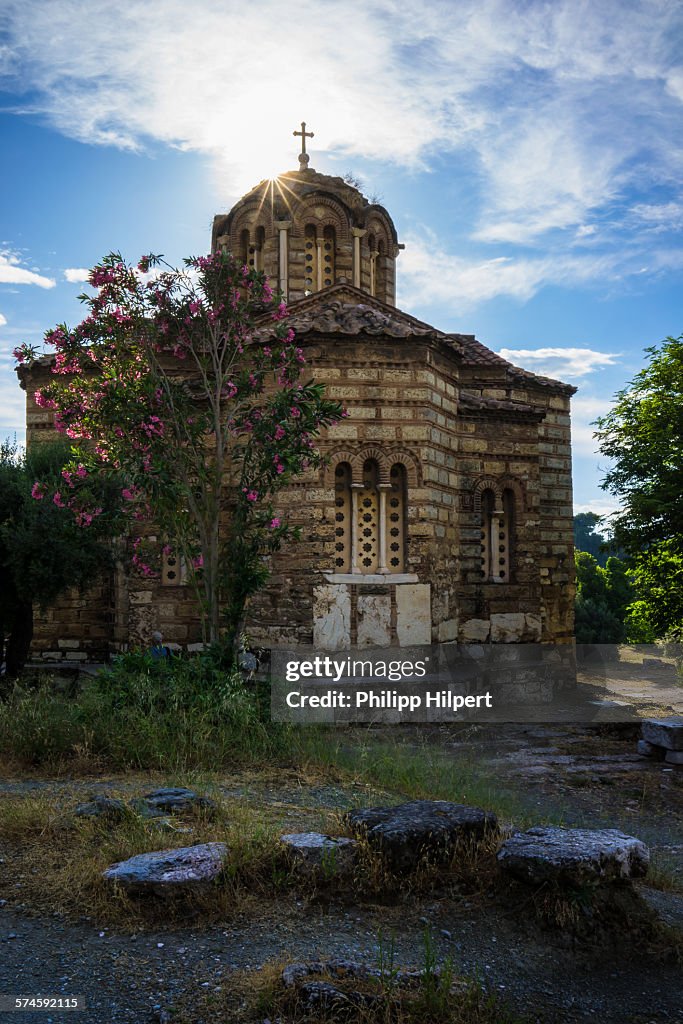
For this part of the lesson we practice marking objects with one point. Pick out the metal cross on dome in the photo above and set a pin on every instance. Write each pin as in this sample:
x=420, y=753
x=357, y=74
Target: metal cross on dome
x=303, y=155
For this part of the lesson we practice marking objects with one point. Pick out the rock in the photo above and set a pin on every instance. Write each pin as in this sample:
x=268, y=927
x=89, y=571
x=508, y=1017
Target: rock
x=674, y=757
x=405, y=833
x=664, y=732
x=507, y=627
x=573, y=856
x=170, y=801
x=646, y=749
x=320, y=854
x=106, y=807
x=475, y=630
x=162, y=872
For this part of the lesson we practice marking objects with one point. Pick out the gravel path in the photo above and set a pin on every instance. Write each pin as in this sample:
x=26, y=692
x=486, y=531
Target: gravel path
x=132, y=979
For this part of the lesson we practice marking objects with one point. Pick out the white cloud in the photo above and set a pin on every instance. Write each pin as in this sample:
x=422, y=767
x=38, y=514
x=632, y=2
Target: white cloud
x=562, y=363
x=3, y=320
x=601, y=507
x=431, y=274
x=74, y=275
x=555, y=102
x=585, y=410
x=11, y=272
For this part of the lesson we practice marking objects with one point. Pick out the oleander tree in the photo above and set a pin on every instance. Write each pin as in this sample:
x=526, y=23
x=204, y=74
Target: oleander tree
x=187, y=385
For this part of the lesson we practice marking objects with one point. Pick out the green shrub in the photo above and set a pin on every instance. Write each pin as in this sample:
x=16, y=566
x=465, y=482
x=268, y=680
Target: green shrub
x=169, y=714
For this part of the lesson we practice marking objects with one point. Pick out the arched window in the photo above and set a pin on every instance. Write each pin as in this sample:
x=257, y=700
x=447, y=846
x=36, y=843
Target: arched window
x=372, y=251
x=342, y=517
x=488, y=503
x=310, y=259
x=506, y=537
x=260, y=243
x=173, y=568
x=497, y=535
x=329, y=246
x=370, y=520
x=244, y=247
x=381, y=272
x=367, y=521
x=395, y=515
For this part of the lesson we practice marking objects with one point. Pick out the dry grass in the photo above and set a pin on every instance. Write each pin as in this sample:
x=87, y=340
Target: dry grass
x=440, y=998
x=55, y=861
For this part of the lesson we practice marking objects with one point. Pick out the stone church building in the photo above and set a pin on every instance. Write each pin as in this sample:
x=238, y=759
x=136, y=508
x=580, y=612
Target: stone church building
x=444, y=512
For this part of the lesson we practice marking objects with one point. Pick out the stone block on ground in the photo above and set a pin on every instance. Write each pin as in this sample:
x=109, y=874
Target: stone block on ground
x=646, y=749
x=664, y=732
x=316, y=853
x=161, y=802
x=163, y=872
x=105, y=807
x=573, y=856
x=407, y=832
x=674, y=757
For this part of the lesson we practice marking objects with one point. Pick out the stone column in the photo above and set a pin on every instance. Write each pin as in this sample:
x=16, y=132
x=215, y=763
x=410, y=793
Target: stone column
x=357, y=235
x=283, y=227
x=382, y=558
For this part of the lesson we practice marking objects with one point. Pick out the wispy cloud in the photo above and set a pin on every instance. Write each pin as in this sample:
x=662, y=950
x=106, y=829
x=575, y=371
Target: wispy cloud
x=12, y=272
x=585, y=410
x=3, y=320
x=74, y=275
x=430, y=273
x=562, y=363
x=601, y=507
x=555, y=102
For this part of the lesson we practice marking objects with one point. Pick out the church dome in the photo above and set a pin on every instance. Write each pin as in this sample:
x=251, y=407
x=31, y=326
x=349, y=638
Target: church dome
x=309, y=231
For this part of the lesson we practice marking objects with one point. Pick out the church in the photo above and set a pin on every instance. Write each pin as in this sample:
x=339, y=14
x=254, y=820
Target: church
x=444, y=510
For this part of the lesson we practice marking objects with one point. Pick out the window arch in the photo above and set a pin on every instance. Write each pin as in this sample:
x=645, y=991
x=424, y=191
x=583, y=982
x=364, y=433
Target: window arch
x=259, y=247
x=498, y=525
x=370, y=515
x=244, y=247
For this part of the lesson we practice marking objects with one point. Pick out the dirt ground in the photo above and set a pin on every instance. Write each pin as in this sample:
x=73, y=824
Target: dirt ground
x=581, y=775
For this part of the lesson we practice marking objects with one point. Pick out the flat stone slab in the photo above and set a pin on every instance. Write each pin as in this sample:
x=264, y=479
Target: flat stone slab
x=105, y=807
x=664, y=732
x=162, y=872
x=316, y=853
x=171, y=801
x=407, y=832
x=573, y=856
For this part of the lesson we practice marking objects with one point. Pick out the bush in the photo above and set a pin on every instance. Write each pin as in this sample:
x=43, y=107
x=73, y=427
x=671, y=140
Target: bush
x=168, y=714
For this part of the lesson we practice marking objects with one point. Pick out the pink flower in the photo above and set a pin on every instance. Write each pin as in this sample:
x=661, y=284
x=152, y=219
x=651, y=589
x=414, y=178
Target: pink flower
x=279, y=433
x=251, y=495
x=274, y=523
x=198, y=561
x=38, y=491
x=57, y=499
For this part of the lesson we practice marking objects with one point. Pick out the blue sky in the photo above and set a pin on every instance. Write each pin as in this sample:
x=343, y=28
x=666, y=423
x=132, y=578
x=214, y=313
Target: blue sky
x=530, y=153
